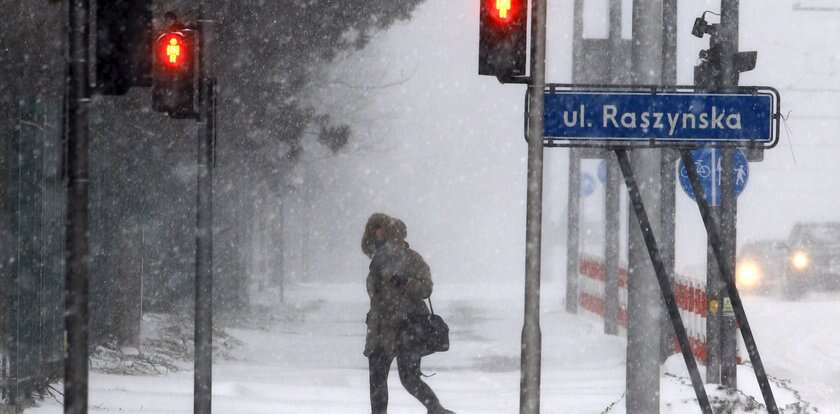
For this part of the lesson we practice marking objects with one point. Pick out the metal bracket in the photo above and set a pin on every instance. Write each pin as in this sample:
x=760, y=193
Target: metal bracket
x=524, y=80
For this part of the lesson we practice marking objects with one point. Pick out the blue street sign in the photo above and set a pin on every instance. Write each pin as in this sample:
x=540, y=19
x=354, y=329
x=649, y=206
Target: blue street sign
x=671, y=117
x=602, y=171
x=707, y=163
x=587, y=184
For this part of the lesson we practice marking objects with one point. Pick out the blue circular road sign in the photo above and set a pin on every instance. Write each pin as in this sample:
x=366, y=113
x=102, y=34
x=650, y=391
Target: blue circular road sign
x=708, y=164
x=602, y=171
x=587, y=184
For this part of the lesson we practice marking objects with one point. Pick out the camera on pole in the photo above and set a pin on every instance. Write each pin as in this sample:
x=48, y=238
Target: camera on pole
x=123, y=45
x=175, y=71
x=503, y=39
x=709, y=74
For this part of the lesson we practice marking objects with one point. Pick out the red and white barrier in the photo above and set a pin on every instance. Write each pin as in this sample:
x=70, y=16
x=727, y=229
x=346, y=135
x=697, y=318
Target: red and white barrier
x=690, y=295
x=591, y=287
x=691, y=299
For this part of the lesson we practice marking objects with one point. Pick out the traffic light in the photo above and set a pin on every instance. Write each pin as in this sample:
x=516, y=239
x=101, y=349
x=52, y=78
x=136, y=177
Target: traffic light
x=175, y=74
x=709, y=74
x=503, y=38
x=123, y=45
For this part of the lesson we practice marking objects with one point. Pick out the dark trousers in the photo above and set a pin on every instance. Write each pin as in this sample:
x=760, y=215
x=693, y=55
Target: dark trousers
x=408, y=365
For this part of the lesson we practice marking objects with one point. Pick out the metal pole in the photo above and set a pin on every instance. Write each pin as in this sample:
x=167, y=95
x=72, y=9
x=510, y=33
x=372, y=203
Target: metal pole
x=714, y=294
x=612, y=191
x=728, y=329
x=729, y=203
x=712, y=230
x=573, y=233
x=644, y=302
x=204, y=229
x=529, y=397
x=664, y=280
x=76, y=247
x=11, y=295
x=667, y=168
x=669, y=44
x=573, y=205
x=612, y=211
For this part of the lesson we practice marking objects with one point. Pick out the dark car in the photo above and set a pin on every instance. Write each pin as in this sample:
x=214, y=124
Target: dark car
x=814, y=259
x=761, y=265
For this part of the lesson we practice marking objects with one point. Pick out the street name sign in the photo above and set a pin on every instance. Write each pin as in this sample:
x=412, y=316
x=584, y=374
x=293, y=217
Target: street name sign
x=607, y=117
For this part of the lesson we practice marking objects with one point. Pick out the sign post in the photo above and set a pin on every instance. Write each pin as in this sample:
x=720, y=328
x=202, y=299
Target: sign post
x=531, y=354
x=622, y=118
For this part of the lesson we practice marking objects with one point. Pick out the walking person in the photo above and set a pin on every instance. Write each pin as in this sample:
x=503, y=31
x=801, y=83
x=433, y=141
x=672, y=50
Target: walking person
x=398, y=282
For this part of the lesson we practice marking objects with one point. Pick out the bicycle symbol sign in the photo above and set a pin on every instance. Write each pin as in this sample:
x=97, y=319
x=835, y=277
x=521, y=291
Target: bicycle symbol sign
x=707, y=163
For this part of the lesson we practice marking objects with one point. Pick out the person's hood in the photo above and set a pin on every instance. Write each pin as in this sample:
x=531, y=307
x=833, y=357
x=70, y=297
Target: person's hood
x=395, y=230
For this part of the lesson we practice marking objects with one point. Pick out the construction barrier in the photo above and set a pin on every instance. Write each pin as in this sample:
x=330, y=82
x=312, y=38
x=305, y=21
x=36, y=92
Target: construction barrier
x=690, y=295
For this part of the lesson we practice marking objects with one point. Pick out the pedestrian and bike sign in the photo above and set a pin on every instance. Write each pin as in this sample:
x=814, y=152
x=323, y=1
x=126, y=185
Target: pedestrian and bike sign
x=621, y=117
x=708, y=162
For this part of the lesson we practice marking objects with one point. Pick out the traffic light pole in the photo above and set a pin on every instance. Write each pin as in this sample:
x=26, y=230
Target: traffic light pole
x=529, y=397
x=77, y=99
x=729, y=16
x=204, y=228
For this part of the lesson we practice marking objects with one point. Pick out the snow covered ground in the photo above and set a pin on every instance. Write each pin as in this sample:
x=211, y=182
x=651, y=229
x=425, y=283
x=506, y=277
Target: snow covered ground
x=308, y=360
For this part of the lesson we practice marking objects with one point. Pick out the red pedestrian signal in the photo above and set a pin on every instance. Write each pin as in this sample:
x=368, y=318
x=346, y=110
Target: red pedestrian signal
x=173, y=50
x=503, y=38
x=175, y=74
x=503, y=9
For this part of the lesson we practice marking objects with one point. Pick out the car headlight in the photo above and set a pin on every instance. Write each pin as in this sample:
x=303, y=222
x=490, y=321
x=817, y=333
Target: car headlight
x=800, y=260
x=748, y=274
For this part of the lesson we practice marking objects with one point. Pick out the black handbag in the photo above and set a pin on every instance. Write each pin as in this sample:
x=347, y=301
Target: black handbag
x=425, y=334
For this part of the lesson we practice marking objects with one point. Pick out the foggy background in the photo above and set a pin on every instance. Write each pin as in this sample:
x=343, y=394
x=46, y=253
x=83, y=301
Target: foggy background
x=443, y=148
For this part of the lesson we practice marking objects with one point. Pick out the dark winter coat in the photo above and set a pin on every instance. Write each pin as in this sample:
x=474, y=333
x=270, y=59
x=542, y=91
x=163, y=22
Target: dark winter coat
x=398, y=282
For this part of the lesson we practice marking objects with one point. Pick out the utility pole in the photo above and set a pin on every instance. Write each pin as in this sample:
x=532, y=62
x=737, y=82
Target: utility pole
x=729, y=203
x=529, y=397
x=573, y=201
x=719, y=72
x=573, y=232
x=204, y=223
x=612, y=190
x=644, y=300
x=77, y=99
x=667, y=169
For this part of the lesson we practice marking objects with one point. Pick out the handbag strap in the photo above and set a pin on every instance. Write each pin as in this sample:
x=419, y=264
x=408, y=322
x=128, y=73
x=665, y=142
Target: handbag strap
x=431, y=308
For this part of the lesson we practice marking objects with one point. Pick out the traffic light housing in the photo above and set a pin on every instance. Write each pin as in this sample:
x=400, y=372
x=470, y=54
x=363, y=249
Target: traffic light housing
x=503, y=38
x=123, y=45
x=709, y=74
x=175, y=73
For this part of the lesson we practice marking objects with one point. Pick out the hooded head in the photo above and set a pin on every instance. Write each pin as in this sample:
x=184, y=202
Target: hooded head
x=394, y=230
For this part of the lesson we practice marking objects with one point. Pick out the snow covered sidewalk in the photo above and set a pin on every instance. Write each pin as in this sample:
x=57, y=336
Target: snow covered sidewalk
x=308, y=360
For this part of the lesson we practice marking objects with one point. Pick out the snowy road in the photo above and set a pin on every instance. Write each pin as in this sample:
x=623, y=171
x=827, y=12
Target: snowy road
x=312, y=362
x=800, y=341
